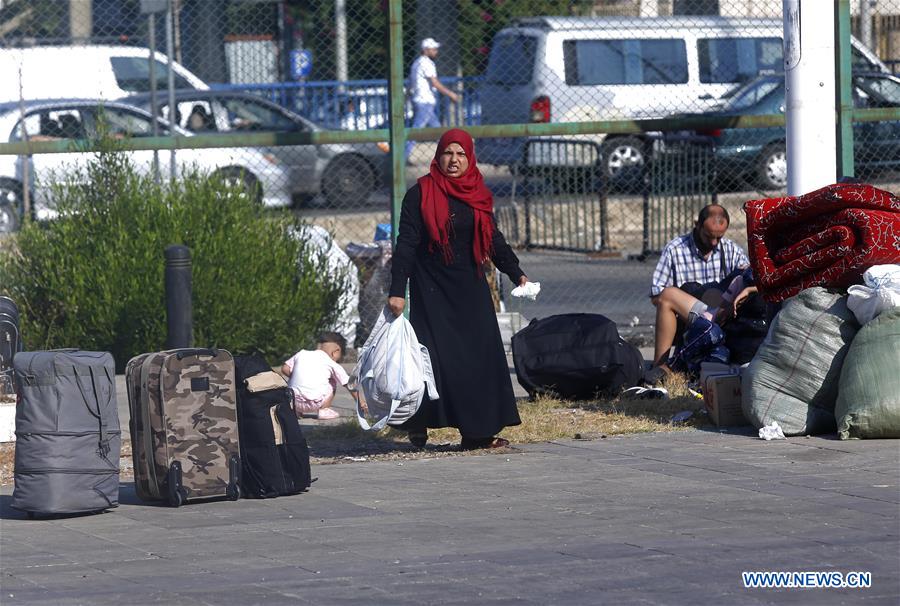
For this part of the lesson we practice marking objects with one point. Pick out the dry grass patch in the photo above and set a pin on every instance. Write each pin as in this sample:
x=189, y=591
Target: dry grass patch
x=543, y=420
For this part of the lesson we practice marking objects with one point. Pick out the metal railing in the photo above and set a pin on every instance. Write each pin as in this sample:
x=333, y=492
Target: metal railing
x=361, y=104
x=679, y=180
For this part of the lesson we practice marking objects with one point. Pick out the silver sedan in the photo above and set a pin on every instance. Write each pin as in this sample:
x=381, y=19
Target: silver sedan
x=344, y=174
x=264, y=177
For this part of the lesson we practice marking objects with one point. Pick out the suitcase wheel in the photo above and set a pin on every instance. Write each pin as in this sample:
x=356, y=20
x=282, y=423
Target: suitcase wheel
x=233, y=492
x=177, y=495
x=176, y=499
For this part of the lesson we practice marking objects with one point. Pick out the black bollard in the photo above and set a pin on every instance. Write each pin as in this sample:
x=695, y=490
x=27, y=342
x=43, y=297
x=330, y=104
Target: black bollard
x=179, y=309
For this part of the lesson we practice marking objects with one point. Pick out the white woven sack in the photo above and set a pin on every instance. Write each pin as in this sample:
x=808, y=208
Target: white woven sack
x=393, y=372
x=880, y=293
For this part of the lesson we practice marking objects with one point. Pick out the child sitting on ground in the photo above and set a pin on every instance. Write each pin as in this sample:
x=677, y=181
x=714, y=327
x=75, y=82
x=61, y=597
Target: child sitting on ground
x=315, y=376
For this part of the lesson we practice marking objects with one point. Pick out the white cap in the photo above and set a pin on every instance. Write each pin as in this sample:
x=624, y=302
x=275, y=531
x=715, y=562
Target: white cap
x=430, y=43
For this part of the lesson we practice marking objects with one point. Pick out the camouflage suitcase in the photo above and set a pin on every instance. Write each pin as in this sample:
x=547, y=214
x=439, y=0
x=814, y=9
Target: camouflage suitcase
x=184, y=433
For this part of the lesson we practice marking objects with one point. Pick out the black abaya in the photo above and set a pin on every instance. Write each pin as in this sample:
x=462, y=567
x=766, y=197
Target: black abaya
x=453, y=315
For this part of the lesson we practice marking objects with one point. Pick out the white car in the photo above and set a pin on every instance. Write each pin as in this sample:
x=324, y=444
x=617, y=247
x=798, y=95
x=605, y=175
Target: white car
x=263, y=176
x=88, y=71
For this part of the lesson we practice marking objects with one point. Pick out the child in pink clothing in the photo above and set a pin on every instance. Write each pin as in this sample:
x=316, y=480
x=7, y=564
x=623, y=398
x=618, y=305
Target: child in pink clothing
x=315, y=376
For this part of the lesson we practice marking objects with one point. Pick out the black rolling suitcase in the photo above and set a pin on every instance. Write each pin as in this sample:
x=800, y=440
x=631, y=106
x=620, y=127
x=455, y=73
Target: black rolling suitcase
x=274, y=453
x=575, y=356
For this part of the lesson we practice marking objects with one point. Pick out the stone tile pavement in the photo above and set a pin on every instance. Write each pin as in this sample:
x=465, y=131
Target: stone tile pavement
x=668, y=518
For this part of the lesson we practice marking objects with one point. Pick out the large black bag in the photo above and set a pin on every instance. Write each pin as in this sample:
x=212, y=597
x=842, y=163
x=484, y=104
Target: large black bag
x=10, y=342
x=274, y=453
x=575, y=356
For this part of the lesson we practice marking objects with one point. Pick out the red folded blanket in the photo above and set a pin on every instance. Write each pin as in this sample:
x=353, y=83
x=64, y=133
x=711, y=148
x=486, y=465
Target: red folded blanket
x=828, y=237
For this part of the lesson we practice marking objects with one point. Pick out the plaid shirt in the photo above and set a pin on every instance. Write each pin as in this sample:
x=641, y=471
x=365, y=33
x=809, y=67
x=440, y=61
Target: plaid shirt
x=681, y=262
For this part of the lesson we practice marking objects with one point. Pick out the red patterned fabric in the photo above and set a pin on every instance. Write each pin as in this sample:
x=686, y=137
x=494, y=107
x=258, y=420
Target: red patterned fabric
x=828, y=237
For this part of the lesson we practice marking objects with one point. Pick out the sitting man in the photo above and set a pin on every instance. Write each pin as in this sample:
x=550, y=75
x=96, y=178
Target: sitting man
x=704, y=256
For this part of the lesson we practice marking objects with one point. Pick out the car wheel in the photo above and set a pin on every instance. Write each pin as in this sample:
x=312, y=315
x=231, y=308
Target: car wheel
x=244, y=180
x=772, y=167
x=348, y=181
x=10, y=203
x=622, y=156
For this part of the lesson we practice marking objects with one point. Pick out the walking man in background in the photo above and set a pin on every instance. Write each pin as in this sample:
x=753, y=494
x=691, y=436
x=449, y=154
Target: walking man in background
x=423, y=84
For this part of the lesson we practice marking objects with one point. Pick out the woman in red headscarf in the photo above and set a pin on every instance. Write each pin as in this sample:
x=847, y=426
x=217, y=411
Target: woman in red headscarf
x=447, y=233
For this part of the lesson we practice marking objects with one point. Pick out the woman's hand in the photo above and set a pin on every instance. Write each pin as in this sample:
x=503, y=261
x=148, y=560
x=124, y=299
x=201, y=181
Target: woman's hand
x=523, y=280
x=396, y=304
x=742, y=298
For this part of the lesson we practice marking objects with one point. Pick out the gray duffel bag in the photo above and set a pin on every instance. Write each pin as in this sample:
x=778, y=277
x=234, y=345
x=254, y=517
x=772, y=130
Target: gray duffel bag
x=68, y=439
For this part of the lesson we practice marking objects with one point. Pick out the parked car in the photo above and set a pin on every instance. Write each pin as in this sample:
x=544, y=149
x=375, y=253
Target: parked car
x=345, y=174
x=90, y=71
x=759, y=154
x=577, y=69
x=261, y=174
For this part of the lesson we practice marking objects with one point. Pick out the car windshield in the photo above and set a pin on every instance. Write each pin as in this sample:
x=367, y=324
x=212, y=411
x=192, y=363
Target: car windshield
x=133, y=74
x=245, y=114
x=752, y=93
x=120, y=123
x=512, y=59
x=885, y=91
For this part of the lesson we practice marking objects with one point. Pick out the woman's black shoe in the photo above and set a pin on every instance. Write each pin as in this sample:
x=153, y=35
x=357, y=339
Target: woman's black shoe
x=478, y=443
x=418, y=438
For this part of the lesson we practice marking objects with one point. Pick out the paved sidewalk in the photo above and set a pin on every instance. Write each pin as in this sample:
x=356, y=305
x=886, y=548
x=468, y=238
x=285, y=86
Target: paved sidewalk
x=668, y=518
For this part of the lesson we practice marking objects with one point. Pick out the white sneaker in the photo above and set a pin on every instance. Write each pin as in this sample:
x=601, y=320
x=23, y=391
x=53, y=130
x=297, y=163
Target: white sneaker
x=646, y=393
x=328, y=413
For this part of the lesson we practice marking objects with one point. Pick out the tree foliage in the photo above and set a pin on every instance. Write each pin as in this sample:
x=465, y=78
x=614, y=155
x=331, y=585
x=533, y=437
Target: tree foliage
x=93, y=278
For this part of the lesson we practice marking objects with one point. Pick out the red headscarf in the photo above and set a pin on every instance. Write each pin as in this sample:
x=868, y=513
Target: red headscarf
x=468, y=188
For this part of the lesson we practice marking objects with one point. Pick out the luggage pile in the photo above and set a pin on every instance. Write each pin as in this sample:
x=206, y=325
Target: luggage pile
x=829, y=359
x=829, y=362
x=819, y=371
x=202, y=425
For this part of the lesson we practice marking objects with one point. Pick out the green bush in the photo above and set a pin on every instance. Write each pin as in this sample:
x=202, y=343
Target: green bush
x=94, y=278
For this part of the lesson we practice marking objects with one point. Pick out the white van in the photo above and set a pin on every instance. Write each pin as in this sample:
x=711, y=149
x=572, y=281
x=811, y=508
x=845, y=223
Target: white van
x=96, y=72
x=575, y=69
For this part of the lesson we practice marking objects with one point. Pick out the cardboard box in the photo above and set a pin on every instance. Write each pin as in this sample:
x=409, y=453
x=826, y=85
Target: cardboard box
x=708, y=369
x=722, y=396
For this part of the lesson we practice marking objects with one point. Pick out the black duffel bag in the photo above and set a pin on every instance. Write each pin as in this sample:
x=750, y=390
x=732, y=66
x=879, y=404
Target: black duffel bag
x=575, y=356
x=274, y=453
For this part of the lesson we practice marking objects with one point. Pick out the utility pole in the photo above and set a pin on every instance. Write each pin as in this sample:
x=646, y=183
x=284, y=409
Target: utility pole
x=80, y=21
x=810, y=95
x=173, y=108
x=340, y=42
x=866, y=9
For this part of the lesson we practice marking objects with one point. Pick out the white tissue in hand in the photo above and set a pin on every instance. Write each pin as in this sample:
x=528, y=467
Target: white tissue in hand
x=530, y=290
x=772, y=431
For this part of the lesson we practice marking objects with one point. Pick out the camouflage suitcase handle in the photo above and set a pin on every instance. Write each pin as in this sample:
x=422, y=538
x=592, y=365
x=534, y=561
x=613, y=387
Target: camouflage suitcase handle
x=183, y=353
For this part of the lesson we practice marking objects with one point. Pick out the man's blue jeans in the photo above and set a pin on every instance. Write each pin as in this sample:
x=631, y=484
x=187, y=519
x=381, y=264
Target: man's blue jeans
x=424, y=114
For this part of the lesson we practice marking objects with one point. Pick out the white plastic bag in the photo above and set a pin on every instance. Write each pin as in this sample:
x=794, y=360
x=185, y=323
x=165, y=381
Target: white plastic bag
x=881, y=292
x=529, y=291
x=393, y=372
x=772, y=431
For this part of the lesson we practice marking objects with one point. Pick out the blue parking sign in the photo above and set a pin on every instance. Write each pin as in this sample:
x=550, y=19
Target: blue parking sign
x=301, y=63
